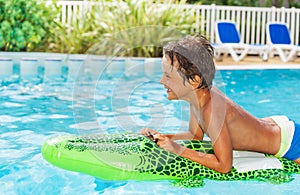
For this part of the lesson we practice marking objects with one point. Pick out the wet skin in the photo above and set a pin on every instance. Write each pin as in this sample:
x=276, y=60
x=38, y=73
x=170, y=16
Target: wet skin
x=228, y=125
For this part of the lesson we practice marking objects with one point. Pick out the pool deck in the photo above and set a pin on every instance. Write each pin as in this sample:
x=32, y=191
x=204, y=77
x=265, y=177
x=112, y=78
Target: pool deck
x=255, y=62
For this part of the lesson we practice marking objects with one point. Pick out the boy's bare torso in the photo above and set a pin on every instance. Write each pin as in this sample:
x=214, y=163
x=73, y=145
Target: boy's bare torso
x=246, y=131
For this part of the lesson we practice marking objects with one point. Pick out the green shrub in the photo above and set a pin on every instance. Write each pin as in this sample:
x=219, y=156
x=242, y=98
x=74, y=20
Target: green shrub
x=24, y=24
x=75, y=36
x=139, y=27
x=132, y=27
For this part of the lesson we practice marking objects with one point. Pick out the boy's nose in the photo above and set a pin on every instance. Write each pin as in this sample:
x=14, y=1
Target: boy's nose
x=161, y=81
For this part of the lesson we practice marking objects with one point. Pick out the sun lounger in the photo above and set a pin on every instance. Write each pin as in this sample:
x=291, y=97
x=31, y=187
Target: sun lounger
x=229, y=42
x=279, y=39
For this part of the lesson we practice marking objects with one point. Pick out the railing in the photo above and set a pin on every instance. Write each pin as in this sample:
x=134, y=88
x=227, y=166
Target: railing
x=251, y=21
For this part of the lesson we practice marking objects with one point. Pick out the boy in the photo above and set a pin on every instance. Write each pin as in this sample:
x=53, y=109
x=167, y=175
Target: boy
x=188, y=72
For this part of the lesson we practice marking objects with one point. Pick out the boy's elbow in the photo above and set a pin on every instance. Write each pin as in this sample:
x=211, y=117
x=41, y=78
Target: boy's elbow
x=224, y=171
x=225, y=168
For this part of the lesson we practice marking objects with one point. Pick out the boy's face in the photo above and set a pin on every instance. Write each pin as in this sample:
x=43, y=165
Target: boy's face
x=173, y=82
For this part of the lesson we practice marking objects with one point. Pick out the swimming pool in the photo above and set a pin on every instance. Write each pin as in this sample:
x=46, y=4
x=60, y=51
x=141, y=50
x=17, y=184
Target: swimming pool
x=35, y=109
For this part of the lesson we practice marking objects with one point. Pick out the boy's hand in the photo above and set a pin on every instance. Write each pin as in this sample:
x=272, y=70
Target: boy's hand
x=149, y=133
x=167, y=144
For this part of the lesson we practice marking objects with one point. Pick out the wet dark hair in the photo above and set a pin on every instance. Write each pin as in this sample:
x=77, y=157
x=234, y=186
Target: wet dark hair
x=195, y=57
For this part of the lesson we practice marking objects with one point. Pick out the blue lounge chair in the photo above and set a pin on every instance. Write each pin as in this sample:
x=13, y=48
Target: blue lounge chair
x=279, y=39
x=229, y=41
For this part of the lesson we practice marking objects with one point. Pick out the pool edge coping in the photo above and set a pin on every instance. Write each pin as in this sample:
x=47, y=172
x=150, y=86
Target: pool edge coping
x=258, y=67
x=42, y=56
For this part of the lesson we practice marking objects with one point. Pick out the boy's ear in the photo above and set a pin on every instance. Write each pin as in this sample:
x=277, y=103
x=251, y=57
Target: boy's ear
x=196, y=82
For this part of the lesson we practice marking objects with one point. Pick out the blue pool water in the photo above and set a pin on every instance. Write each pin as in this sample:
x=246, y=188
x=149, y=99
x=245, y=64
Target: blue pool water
x=33, y=110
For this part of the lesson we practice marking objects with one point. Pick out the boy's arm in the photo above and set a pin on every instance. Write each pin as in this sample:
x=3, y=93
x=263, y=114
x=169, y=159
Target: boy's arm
x=195, y=132
x=220, y=161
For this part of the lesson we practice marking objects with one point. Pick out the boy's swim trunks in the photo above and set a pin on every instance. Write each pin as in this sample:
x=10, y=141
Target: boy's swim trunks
x=290, y=138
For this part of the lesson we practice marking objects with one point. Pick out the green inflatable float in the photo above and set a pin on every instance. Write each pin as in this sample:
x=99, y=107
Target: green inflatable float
x=135, y=157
